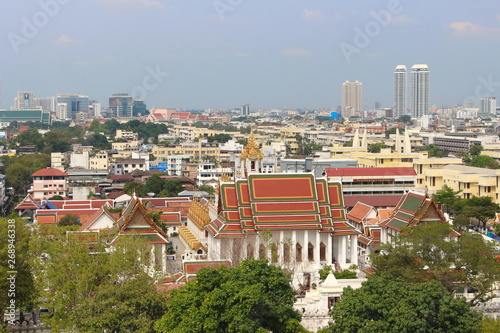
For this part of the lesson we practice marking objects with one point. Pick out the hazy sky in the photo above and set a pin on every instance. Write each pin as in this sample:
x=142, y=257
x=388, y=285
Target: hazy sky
x=224, y=53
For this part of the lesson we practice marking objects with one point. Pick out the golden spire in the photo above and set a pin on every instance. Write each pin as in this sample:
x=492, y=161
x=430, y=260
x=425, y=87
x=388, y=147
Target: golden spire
x=251, y=149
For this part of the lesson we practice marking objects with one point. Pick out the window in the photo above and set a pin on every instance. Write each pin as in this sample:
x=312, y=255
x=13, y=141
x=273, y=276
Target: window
x=322, y=251
x=298, y=253
x=310, y=252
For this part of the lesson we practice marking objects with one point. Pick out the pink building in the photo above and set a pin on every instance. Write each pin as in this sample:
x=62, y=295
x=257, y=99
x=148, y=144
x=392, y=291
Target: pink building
x=49, y=182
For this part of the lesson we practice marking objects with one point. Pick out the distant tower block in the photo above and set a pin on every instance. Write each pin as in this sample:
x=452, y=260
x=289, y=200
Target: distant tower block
x=419, y=90
x=400, y=91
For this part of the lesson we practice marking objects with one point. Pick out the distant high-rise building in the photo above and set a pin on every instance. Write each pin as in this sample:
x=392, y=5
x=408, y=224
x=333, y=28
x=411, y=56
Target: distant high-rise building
x=400, y=92
x=139, y=108
x=419, y=90
x=95, y=109
x=245, y=110
x=75, y=103
x=488, y=105
x=121, y=105
x=24, y=100
x=351, y=98
x=48, y=104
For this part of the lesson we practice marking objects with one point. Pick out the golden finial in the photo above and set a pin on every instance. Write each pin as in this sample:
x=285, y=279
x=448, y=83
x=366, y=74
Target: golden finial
x=252, y=148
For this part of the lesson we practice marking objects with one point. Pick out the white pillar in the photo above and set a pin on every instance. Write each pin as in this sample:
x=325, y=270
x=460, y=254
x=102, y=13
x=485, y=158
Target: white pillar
x=257, y=246
x=163, y=258
x=305, y=247
x=281, y=249
x=329, y=250
x=317, y=248
x=354, y=249
x=293, y=248
x=244, y=244
x=342, y=251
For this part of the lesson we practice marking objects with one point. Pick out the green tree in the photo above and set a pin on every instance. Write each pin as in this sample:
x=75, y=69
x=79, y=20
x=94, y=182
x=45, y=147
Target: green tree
x=57, y=141
x=56, y=197
x=18, y=170
x=376, y=147
x=95, y=126
x=484, y=161
x=68, y=220
x=15, y=256
x=481, y=208
x=490, y=325
x=110, y=126
x=447, y=197
x=74, y=280
x=207, y=188
x=29, y=137
x=221, y=138
x=393, y=131
x=131, y=187
x=405, y=119
x=384, y=304
x=154, y=184
x=171, y=188
x=251, y=297
x=98, y=141
x=131, y=305
x=425, y=252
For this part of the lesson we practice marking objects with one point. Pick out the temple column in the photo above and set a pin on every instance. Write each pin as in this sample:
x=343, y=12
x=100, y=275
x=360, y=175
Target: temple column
x=163, y=258
x=329, y=250
x=354, y=249
x=257, y=246
x=281, y=250
x=342, y=251
x=244, y=244
x=293, y=248
x=305, y=247
x=317, y=248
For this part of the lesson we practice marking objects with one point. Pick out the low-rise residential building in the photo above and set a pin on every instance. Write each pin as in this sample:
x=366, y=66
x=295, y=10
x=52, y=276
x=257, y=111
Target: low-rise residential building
x=49, y=182
x=197, y=151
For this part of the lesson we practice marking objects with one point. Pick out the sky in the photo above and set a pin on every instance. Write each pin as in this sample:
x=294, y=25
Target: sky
x=224, y=53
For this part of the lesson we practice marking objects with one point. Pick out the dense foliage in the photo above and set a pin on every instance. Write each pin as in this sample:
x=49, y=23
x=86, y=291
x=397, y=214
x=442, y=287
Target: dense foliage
x=252, y=297
x=425, y=252
x=385, y=304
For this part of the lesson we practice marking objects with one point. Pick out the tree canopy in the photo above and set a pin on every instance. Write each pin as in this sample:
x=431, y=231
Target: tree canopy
x=385, y=304
x=252, y=297
x=98, y=290
x=425, y=252
x=15, y=256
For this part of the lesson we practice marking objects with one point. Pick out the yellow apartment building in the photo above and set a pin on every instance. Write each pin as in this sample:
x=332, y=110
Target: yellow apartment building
x=471, y=181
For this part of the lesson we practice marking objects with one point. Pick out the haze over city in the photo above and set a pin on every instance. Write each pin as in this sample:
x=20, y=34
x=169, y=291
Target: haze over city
x=224, y=53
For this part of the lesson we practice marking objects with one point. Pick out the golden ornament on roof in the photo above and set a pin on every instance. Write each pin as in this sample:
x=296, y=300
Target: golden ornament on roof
x=251, y=149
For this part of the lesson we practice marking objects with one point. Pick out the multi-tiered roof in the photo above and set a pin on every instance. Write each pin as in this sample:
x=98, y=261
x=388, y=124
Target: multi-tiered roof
x=279, y=201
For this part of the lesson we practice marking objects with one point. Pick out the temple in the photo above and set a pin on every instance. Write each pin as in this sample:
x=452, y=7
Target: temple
x=296, y=221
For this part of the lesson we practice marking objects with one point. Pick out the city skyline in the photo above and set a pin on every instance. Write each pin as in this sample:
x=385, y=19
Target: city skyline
x=222, y=54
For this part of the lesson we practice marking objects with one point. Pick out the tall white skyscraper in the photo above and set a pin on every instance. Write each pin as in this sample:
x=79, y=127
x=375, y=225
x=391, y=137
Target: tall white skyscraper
x=351, y=98
x=400, y=92
x=488, y=105
x=419, y=90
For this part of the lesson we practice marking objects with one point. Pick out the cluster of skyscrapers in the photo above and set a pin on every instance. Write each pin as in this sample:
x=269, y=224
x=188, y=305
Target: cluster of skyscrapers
x=419, y=91
x=78, y=106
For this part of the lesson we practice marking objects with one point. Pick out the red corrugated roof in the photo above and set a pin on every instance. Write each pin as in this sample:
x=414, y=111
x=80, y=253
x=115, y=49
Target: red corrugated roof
x=49, y=172
x=377, y=172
